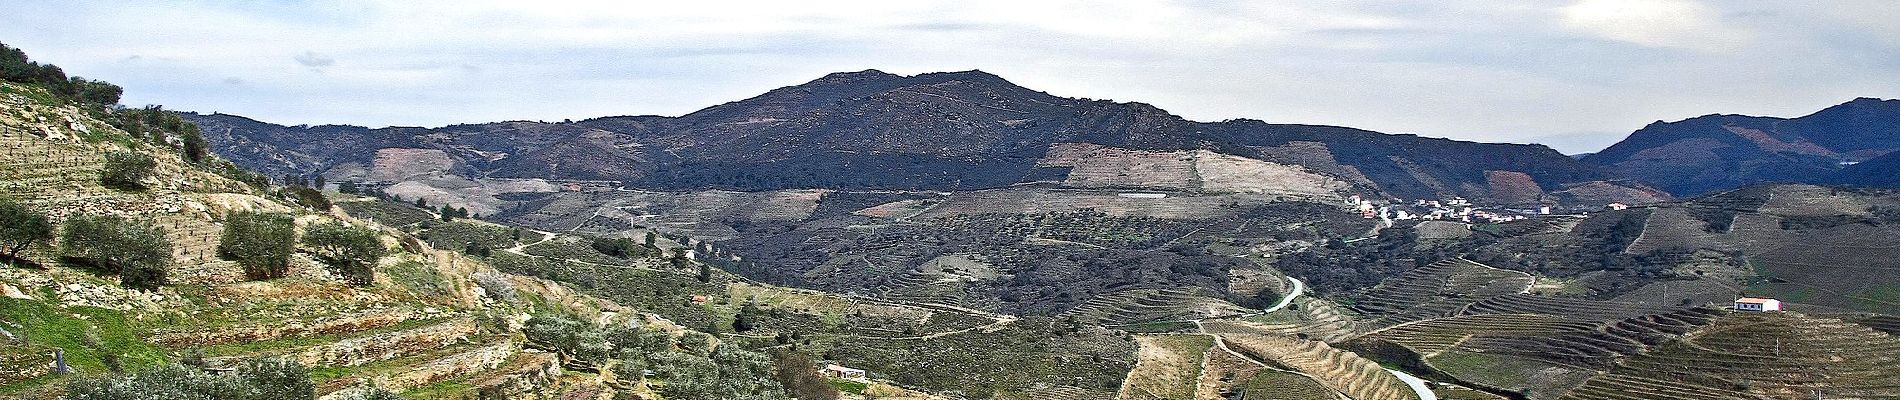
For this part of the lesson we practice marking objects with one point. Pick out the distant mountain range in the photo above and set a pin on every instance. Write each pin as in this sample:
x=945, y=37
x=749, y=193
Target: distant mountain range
x=1716, y=152
x=968, y=130
x=871, y=130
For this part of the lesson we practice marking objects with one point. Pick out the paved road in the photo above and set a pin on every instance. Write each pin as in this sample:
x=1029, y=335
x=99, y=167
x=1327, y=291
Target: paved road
x=1418, y=385
x=1298, y=288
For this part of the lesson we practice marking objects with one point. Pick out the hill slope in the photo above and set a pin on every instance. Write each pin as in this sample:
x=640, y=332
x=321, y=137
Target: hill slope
x=1714, y=152
x=873, y=130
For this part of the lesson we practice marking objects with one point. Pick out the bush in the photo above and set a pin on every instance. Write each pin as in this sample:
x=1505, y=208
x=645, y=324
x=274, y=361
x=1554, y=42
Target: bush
x=137, y=253
x=20, y=228
x=798, y=374
x=257, y=379
x=126, y=170
x=261, y=242
x=16, y=67
x=581, y=342
x=351, y=252
x=308, y=197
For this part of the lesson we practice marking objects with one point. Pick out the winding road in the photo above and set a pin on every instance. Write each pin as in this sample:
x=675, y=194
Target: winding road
x=1418, y=385
x=1298, y=288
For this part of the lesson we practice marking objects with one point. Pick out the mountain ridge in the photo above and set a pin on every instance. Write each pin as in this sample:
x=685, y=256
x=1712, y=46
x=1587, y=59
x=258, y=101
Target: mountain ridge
x=874, y=130
x=1722, y=151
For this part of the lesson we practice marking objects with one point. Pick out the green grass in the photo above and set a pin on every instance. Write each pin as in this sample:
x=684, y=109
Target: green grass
x=1270, y=384
x=420, y=279
x=91, y=336
x=261, y=346
x=438, y=390
x=847, y=386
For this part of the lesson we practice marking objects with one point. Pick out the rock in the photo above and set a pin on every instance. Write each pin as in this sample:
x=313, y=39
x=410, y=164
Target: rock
x=12, y=292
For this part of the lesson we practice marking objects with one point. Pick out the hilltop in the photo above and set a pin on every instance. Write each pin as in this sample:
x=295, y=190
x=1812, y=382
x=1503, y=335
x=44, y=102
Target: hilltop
x=954, y=131
x=1717, y=152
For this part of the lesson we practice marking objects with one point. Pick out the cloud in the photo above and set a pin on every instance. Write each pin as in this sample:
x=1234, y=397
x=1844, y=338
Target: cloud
x=314, y=60
x=1686, y=24
x=1477, y=70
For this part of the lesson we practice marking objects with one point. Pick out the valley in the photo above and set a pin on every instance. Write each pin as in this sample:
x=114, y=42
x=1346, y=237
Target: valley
x=868, y=235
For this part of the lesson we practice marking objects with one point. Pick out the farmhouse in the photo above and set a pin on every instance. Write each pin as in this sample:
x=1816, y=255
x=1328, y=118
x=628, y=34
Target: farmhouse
x=836, y=371
x=1757, y=304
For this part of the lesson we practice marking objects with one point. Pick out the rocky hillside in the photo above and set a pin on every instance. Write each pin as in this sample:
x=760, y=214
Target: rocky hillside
x=137, y=287
x=937, y=131
x=1716, y=152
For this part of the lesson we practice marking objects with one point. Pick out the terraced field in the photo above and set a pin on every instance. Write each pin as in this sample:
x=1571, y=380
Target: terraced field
x=1315, y=318
x=1520, y=303
x=1278, y=385
x=1755, y=355
x=1148, y=305
x=1167, y=367
x=1541, y=355
x=1437, y=290
x=1339, y=370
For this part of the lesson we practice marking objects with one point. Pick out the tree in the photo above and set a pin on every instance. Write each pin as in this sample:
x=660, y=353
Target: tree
x=705, y=273
x=137, y=253
x=346, y=187
x=195, y=146
x=747, y=318
x=96, y=92
x=650, y=238
x=797, y=372
x=126, y=170
x=260, y=242
x=20, y=228
x=277, y=379
x=255, y=379
x=350, y=251
x=308, y=197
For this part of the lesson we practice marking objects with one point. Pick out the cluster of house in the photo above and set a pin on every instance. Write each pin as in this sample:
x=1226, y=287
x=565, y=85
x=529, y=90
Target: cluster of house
x=1454, y=209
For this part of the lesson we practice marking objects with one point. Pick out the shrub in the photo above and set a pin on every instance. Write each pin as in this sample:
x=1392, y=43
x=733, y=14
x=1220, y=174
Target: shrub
x=194, y=145
x=577, y=340
x=350, y=251
x=126, y=170
x=20, y=228
x=277, y=379
x=257, y=379
x=308, y=197
x=137, y=253
x=261, y=242
x=798, y=374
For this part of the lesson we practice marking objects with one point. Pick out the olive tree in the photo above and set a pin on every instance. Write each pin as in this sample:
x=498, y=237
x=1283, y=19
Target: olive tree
x=260, y=242
x=350, y=251
x=138, y=253
x=126, y=170
x=20, y=228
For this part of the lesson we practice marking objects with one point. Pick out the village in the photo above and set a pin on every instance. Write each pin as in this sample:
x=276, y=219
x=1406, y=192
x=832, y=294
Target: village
x=1461, y=210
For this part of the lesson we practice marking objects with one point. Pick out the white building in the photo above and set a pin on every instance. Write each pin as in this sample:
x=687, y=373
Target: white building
x=1757, y=304
x=835, y=371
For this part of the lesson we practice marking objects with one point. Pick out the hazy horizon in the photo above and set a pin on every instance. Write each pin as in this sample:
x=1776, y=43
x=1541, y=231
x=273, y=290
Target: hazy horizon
x=1575, y=75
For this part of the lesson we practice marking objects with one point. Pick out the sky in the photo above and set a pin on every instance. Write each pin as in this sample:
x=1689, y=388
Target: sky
x=1576, y=75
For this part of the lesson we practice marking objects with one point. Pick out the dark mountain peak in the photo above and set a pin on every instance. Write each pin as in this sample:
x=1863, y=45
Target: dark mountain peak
x=975, y=75
x=868, y=75
x=1864, y=106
